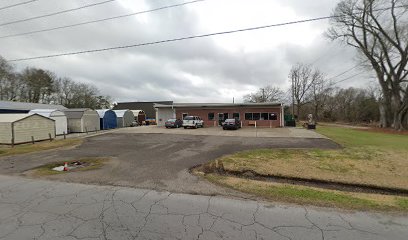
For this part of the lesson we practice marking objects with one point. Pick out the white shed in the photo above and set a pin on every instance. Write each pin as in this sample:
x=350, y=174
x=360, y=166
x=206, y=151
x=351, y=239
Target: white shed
x=125, y=118
x=82, y=120
x=61, y=124
x=23, y=128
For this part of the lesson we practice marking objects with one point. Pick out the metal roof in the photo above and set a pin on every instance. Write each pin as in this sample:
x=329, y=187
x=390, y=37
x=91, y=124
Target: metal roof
x=217, y=105
x=102, y=112
x=47, y=112
x=9, y=118
x=147, y=107
x=75, y=112
x=9, y=105
x=121, y=113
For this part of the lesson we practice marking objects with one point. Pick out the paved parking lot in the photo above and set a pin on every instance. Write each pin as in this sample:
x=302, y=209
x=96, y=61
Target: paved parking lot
x=154, y=160
x=217, y=131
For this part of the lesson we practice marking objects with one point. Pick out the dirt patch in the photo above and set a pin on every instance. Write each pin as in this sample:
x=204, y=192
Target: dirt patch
x=82, y=164
x=218, y=168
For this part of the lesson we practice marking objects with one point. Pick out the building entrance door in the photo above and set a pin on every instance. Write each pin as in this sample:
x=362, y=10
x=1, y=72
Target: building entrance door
x=221, y=118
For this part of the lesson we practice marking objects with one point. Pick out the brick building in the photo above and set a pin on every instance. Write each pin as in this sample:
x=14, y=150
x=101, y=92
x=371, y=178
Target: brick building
x=213, y=114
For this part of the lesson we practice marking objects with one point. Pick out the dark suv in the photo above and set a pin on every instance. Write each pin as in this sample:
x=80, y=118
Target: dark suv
x=232, y=123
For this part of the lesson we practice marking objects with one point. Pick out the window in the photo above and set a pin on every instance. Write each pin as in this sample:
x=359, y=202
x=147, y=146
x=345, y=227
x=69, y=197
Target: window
x=210, y=116
x=264, y=116
x=273, y=116
x=248, y=116
x=184, y=115
x=256, y=116
x=235, y=115
x=189, y=118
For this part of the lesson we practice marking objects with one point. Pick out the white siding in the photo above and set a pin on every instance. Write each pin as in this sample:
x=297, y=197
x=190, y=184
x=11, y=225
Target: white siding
x=90, y=121
x=163, y=114
x=61, y=124
x=36, y=126
x=75, y=125
x=5, y=133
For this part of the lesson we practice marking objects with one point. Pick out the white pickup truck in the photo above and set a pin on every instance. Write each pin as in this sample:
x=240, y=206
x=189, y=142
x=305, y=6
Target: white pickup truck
x=192, y=122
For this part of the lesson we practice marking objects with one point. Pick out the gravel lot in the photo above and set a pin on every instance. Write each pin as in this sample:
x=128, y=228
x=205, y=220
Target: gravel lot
x=153, y=161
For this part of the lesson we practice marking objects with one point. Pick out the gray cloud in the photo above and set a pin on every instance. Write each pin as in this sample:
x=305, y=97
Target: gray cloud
x=192, y=70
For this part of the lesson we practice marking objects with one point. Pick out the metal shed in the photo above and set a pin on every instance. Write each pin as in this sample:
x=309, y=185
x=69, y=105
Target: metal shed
x=23, y=128
x=61, y=123
x=82, y=120
x=24, y=107
x=125, y=118
x=108, y=119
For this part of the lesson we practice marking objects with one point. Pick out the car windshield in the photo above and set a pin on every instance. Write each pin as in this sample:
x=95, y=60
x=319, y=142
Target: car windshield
x=230, y=120
x=189, y=118
x=171, y=120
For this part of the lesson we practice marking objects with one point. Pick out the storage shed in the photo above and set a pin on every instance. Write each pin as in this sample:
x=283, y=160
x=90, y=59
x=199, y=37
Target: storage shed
x=125, y=118
x=140, y=116
x=61, y=123
x=107, y=118
x=82, y=120
x=23, y=128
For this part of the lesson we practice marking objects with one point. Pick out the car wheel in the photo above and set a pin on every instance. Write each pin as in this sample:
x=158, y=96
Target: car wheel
x=185, y=127
x=195, y=127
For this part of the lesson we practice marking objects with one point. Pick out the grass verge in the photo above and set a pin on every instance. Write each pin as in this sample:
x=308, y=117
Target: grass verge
x=371, y=158
x=377, y=159
x=312, y=196
x=91, y=163
x=38, y=146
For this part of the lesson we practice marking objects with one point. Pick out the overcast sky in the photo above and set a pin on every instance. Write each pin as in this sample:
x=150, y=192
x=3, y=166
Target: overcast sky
x=213, y=69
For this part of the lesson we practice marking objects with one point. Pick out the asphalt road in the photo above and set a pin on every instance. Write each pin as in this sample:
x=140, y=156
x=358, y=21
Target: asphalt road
x=153, y=161
x=37, y=209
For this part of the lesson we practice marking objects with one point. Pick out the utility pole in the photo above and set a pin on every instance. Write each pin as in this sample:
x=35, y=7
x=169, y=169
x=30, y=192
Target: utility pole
x=263, y=95
x=293, y=99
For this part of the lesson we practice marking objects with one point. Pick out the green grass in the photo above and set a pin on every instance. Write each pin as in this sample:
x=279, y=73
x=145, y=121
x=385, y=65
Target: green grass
x=38, y=146
x=403, y=203
x=356, y=138
x=370, y=158
x=312, y=196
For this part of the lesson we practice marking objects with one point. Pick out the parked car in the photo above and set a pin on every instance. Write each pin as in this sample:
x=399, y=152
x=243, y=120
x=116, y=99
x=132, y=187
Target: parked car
x=173, y=123
x=193, y=122
x=232, y=123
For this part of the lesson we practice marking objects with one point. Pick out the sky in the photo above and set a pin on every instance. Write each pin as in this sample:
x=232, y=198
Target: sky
x=211, y=69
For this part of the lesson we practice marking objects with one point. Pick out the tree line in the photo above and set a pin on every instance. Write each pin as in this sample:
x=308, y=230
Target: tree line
x=37, y=85
x=378, y=31
x=311, y=93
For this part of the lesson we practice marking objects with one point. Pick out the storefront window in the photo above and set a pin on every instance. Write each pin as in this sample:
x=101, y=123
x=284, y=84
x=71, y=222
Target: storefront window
x=210, y=116
x=273, y=116
x=235, y=115
x=264, y=116
x=256, y=116
x=248, y=116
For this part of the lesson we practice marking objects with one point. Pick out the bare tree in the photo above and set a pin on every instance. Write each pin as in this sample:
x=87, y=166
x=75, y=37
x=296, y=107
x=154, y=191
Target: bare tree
x=378, y=29
x=302, y=78
x=265, y=94
x=320, y=91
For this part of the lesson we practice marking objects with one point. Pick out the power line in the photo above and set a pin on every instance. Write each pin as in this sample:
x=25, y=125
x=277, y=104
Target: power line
x=179, y=39
x=345, y=79
x=101, y=20
x=17, y=4
x=170, y=40
x=56, y=13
